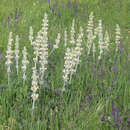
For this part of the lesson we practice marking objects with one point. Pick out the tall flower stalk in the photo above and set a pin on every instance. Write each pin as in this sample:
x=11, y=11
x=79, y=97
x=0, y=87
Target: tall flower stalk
x=90, y=35
x=57, y=41
x=100, y=39
x=72, y=33
x=9, y=56
x=31, y=35
x=67, y=66
x=94, y=50
x=36, y=46
x=44, y=48
x=72, y=59
x=65, y=38
x=77, y=53
x=17, y=53
x=106, y=41
x=34, y=87
x=25, y=62
x=118, y=37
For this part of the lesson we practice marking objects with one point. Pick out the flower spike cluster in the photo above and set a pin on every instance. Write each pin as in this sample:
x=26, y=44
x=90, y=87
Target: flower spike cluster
x=72, y=34
x=65, y=38
x=41, y=56
x=72, y=60
x=67, y=65
x=9, y=56
x=106, y=41
x=90, y=35
x=118, y=37
x=36, y=46
x=100, y=37
x=34, y=87
x=25, y=62
x=31, y=35
x=17, y=53
x=57, y=41
x=44, y=47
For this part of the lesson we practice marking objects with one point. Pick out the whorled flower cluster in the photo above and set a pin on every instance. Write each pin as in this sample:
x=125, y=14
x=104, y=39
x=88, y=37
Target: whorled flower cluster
x=67, y=65
x=72, y=55
x=17, y=53
x=90, y=23
x=100, y=39
x=106, y=41
x=72, y=33
x=34, y=87
x=9, y=56
x=41, y=56
x=31, y=35
x=90, y=34
x=36, y=46
x=72, y=59
x=77, y=50
x=25, y=62
x=118, y=36
x=43, y=52
x=57, y=41
x=65, y=38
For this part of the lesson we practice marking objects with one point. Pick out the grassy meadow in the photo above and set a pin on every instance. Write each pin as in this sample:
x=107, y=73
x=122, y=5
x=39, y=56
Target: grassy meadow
x=98, y=94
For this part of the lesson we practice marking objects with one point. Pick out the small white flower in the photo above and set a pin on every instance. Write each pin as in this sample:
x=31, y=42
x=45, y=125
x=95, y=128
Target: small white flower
x=100, y=37
x=106, y=41
x=43, y=52
x=34, y=87
x=25, y=62
x=57, y=41
x=72, y=59
x=34, y=96
x=9, y=55
x=31, y=35
x=90, y=23
x=118, y=36
x=72, y=41
x=90, y=34
x=65, y=38
x=17, y=52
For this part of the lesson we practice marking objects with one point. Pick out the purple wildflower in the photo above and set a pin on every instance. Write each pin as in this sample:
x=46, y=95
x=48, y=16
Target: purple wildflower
x=49, y=6
x=56, y=4
x=114, y=68
x=115, y=77
x=75, y=7
x=50, y=46
x=103, y=118
x=8, y=21
x=16, y=16
x=69, y=4
x=118, y=114
x=121, y=45
x=113, y=111
x=59, y=13
x=118, y=117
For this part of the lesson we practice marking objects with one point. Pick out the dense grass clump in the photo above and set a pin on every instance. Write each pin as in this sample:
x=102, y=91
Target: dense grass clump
x=64, y=65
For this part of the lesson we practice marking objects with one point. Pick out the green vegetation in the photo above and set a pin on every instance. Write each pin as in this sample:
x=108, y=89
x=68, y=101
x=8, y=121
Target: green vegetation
x=98, y=97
